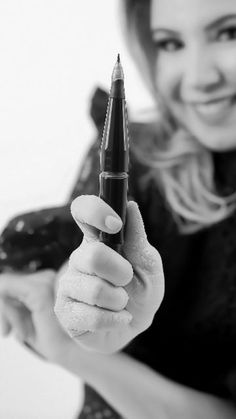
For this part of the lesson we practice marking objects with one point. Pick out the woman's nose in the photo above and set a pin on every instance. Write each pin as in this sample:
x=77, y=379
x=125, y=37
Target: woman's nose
x=201, y=72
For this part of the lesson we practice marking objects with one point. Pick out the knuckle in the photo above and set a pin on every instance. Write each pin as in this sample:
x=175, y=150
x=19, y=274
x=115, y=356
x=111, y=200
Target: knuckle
x=95, y=255
x=97, y=292
x=73, y=258
x=128, y=272
x=62, y=311
x=124, y=297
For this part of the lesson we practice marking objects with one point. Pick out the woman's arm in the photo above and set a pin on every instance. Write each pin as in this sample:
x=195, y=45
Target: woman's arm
x=130, y=387
x=137, y=392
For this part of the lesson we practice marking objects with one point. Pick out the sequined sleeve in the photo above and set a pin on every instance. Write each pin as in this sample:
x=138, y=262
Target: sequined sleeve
x=45, y=238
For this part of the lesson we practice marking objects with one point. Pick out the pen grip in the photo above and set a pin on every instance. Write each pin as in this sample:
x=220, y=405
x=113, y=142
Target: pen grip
x=113, y=190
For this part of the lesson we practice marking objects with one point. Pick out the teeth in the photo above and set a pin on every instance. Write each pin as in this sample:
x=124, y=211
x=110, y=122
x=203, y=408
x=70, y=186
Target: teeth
x=214, y=108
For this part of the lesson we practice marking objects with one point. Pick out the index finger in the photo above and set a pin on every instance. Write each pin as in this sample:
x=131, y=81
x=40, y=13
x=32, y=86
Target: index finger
x=93, y=215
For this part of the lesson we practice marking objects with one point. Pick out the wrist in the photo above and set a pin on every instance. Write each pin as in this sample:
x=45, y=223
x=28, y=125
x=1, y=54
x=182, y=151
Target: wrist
x=75, y=360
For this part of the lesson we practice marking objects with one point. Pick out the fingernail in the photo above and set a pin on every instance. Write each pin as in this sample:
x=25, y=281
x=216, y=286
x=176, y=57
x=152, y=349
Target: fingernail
x=113, y=223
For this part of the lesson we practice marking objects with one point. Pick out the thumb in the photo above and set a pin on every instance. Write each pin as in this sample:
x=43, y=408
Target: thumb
x=137, y=249
x=134, y=227
x=146, y=290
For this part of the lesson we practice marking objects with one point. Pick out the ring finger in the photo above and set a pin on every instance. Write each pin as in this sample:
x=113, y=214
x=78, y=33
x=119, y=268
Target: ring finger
x=92, y=290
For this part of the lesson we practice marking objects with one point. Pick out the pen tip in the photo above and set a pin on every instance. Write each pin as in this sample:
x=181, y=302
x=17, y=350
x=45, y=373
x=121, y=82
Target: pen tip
x=118, y=70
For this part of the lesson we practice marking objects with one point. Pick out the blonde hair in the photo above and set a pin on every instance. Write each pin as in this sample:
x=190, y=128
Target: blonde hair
x=177, y=162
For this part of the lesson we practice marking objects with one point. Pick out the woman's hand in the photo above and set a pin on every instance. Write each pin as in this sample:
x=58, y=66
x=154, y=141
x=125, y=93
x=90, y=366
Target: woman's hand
x=104, y=299
x=26, y=309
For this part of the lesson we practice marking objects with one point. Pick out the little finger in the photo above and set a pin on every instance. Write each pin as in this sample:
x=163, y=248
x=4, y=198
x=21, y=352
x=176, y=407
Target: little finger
x=78, y=318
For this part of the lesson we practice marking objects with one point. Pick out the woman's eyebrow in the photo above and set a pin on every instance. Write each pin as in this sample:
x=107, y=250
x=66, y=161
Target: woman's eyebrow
x=209, y=26
x=220, y=21
x=165, y=30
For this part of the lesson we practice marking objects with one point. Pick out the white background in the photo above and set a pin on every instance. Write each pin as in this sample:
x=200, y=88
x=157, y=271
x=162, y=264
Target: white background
x=53, y=54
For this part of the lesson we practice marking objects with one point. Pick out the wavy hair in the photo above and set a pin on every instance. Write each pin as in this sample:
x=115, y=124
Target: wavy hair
x=181, y=166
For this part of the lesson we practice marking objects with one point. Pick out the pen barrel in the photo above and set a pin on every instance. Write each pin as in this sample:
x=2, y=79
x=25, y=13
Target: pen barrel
x=114, y=157
x=113, y=190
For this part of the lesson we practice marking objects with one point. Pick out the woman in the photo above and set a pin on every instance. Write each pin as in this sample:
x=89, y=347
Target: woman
x=177, y=354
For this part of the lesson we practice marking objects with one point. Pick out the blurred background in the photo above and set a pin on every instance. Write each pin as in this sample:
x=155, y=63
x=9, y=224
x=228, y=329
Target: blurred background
x=54, y=53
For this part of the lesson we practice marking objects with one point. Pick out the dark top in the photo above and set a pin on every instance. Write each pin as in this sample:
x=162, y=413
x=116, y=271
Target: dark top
x=192, y=339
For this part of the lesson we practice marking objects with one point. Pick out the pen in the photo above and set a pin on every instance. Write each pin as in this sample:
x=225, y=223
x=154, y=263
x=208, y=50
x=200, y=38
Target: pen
x=114, y=156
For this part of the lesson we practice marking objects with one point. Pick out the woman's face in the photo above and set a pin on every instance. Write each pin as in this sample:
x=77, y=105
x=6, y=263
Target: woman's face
x=196, y=66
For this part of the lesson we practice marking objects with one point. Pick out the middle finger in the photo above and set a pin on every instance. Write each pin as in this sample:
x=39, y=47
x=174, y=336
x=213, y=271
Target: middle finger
x=95, y=258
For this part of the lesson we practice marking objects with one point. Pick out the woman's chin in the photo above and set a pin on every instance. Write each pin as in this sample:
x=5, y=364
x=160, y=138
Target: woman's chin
x=215, y=139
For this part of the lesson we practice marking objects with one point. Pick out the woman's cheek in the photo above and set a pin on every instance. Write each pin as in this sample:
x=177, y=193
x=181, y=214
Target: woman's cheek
x=227, y=63
x=168, y=78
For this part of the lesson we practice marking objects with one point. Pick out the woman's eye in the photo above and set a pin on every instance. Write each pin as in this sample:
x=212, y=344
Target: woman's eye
x=228, y=34
x=168, y=45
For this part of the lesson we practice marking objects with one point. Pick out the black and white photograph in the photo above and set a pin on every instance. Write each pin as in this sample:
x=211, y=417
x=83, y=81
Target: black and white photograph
x=118, y=209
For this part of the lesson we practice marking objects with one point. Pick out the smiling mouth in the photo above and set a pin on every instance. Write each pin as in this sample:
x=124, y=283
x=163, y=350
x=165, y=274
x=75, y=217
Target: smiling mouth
x=214, y=111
